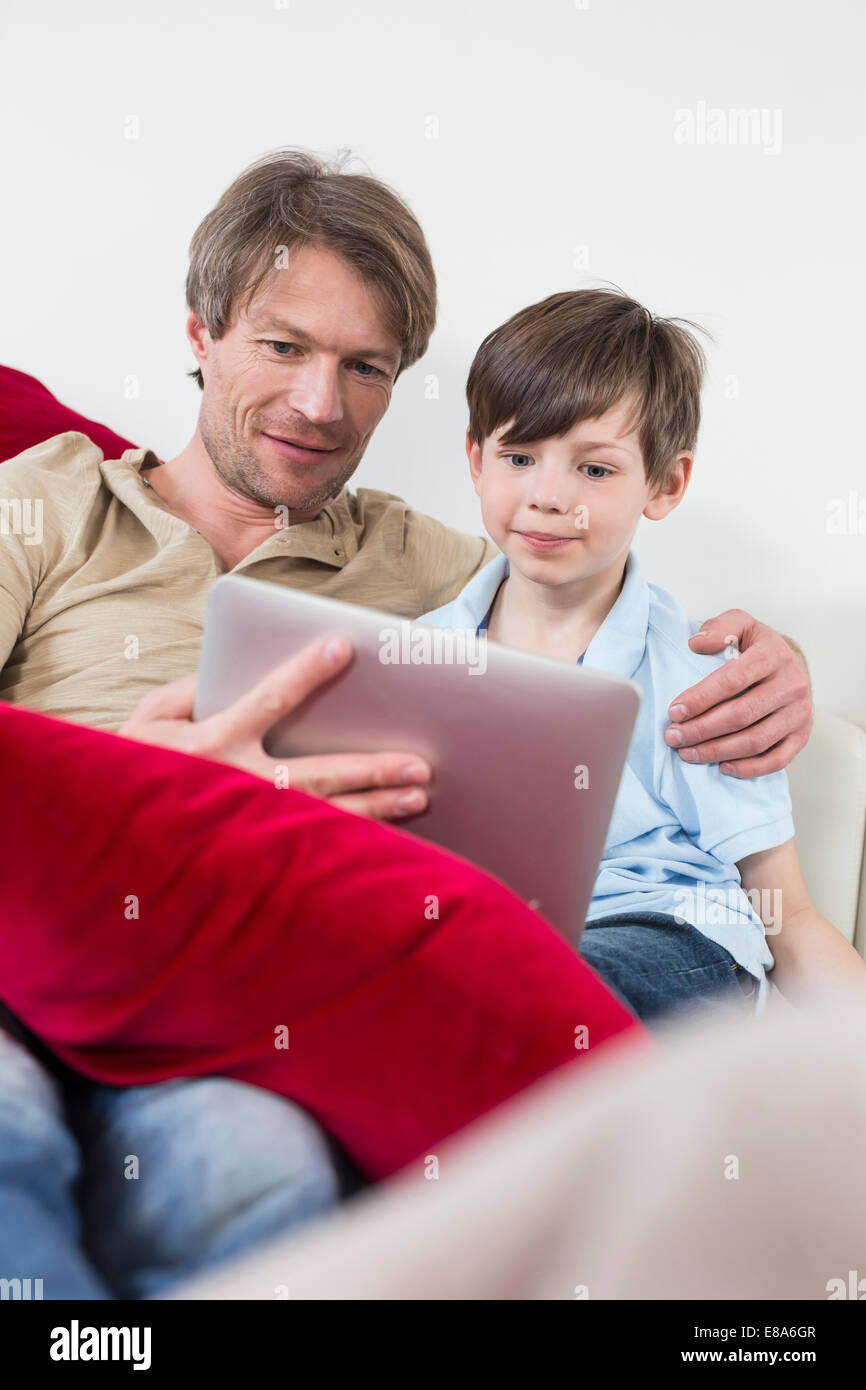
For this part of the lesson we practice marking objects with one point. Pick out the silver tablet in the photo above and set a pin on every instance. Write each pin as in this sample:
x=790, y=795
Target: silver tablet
x=527, y=751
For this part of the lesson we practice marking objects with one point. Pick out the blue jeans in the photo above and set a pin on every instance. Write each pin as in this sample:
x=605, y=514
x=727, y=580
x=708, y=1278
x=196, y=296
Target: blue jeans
x=659, y=966
x=118, y=1192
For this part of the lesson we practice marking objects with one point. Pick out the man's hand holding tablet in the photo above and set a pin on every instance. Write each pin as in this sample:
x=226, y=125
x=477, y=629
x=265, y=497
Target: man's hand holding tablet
x=384, y=786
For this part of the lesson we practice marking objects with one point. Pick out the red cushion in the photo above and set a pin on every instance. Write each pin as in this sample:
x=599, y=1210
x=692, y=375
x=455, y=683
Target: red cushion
x=163, y=916
x=29, y=414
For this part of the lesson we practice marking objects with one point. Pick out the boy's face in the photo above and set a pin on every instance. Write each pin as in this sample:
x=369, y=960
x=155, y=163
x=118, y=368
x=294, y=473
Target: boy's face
x=565, y=509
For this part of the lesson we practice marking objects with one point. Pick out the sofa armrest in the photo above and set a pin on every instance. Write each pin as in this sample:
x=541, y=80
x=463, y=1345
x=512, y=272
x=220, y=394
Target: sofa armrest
x=828, y=791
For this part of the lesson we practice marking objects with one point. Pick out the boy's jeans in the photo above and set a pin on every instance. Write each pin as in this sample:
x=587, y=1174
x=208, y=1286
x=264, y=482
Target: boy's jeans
x=220, y=1166
x=660, y=966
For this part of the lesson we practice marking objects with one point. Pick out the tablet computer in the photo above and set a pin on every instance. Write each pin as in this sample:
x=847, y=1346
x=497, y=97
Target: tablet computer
x=527, y=751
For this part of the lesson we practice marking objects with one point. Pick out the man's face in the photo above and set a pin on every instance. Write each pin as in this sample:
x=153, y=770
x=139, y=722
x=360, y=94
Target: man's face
x=297, y=384
x=565, y=509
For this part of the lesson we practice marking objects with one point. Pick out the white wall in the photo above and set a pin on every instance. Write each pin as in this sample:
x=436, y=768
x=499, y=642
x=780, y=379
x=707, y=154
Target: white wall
x=556, y=130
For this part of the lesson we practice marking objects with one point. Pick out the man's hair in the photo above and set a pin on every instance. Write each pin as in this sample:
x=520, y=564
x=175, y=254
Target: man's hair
x=289, y=199
x=577, y=354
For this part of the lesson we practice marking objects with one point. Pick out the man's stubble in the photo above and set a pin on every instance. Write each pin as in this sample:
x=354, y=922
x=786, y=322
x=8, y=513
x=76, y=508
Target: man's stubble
x=238, y=468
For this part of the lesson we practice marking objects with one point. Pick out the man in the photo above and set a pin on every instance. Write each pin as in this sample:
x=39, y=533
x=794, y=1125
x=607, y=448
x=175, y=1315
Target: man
x=310, y=290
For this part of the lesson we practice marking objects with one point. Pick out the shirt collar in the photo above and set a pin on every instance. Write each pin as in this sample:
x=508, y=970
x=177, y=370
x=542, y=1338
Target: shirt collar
x=471, y=604
x=331, y=537
x=619, y=644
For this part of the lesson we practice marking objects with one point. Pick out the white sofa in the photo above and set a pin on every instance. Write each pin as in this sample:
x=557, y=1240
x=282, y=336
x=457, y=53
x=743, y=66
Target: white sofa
x=828, y=791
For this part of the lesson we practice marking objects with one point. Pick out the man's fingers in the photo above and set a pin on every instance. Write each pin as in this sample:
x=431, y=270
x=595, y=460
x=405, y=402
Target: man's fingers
x=772, y=761
x=281, y=691
x=384, y=805
x=172, y=701
x=333, y=775
x=717, y=632
x=748, y=742
x=724, y=683
x=737, y=714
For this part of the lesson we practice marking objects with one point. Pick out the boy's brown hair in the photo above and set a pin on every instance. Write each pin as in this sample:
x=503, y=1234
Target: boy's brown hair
x=577, y=354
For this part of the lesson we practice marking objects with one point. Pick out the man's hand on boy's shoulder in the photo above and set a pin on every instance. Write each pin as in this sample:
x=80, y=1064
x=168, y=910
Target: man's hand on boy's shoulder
x=753, y=714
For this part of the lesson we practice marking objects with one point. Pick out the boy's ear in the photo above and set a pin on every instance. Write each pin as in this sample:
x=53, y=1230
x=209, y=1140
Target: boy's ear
x=473, y=453
x=673, y=490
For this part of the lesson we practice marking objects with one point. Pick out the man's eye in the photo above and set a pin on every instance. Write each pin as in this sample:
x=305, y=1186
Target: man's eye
x=369, y=369
x=519, y=460
x=278, y=346
x=600, y=471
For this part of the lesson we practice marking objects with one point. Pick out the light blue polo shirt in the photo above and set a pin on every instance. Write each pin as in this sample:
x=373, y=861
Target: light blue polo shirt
x=677, y=829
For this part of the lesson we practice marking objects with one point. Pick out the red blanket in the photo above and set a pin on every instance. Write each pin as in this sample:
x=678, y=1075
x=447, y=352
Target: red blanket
x=164, y=916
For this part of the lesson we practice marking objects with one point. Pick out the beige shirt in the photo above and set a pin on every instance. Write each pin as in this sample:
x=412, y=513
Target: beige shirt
x=103, y=589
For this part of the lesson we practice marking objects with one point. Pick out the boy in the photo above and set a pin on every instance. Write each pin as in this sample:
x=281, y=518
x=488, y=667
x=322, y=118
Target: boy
x=583, y=416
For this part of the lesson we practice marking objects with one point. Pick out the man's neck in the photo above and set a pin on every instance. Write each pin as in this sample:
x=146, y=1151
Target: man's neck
x=234, y=525
x=554, y=620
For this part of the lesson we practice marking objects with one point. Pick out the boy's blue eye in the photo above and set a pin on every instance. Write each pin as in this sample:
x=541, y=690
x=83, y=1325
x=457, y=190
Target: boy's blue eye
x=523, y=460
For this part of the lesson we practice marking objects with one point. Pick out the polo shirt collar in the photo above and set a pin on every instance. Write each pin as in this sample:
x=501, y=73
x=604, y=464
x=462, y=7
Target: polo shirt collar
x=619, y=644
x=472, y=603
x=331, y=537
